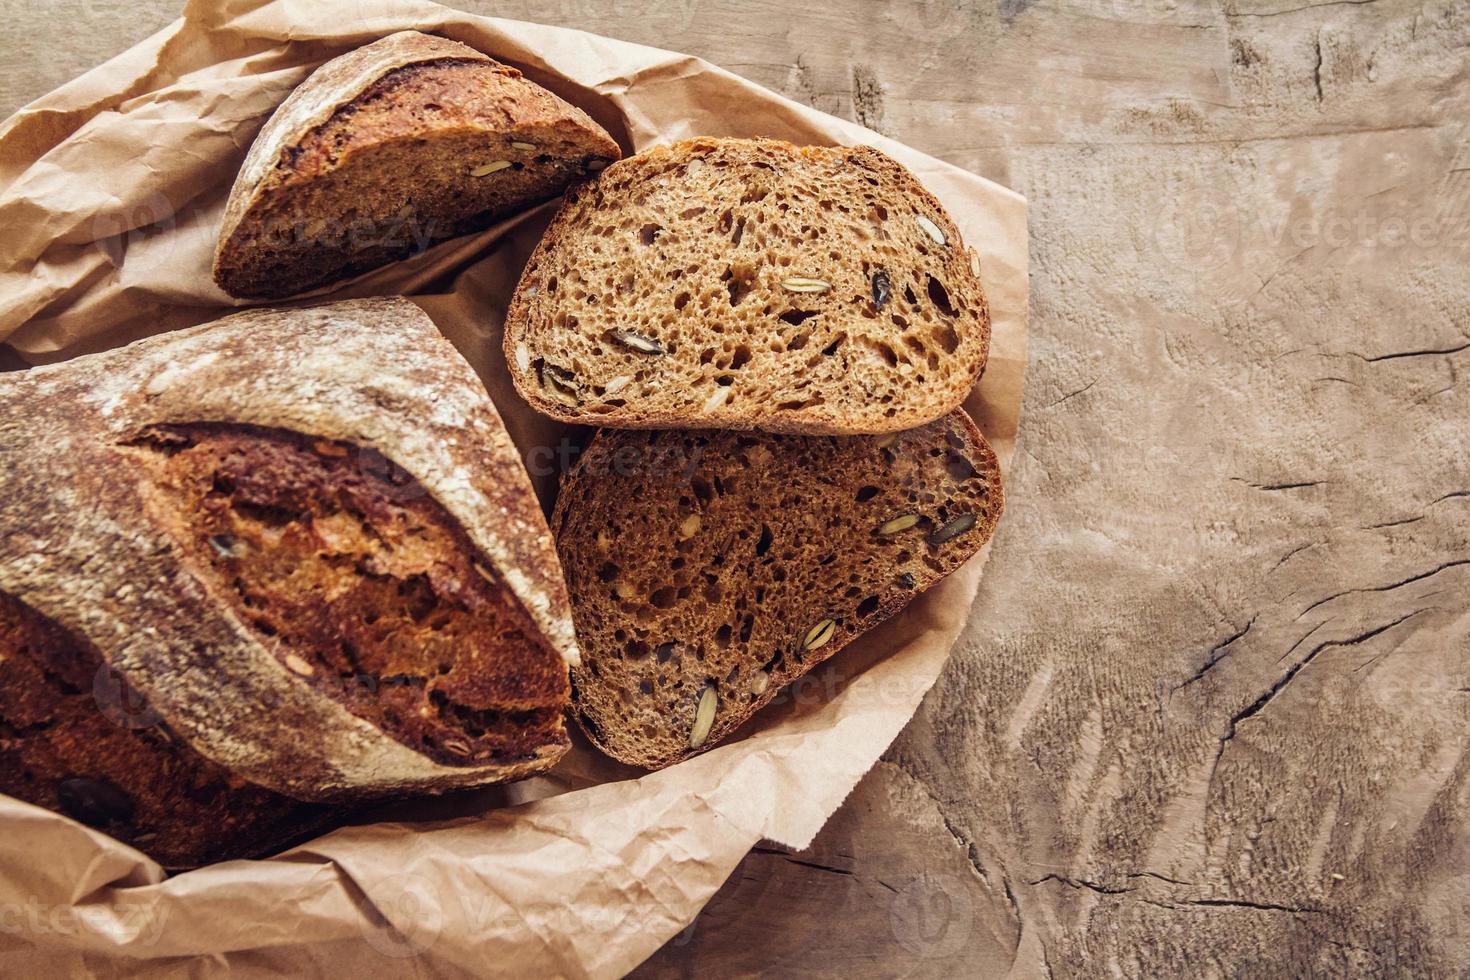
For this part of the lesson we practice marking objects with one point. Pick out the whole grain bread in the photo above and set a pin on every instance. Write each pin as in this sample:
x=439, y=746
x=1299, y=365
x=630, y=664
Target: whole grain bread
x=750, y=284
x=387, y=149
x=709, y=569
x=76, y=739
x=306, y=539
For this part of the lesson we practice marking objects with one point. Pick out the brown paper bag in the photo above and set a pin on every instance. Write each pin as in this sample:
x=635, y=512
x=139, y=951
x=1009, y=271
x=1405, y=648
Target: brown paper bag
x=113, y=188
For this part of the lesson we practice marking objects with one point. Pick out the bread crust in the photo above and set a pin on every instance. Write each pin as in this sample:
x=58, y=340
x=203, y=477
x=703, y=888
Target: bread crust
x=832, y=418
x=273, y=164
x=77, y=545
x=314, y=101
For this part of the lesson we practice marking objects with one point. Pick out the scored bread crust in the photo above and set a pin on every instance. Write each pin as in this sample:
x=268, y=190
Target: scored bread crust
x=708, y=558
x=78, y=544
x=927, y=348
x=271, y=162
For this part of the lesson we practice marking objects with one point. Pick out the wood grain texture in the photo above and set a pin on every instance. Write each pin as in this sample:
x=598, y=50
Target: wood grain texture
x=1209, y=715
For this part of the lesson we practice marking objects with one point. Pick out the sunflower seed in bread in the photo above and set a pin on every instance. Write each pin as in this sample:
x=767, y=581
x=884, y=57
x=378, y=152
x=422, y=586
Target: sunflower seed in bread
x=704, y=716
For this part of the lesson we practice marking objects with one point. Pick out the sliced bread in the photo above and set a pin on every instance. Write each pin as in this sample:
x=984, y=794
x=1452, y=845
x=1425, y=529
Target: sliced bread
x=387, y=149
x=709, y=569
x=748, y=284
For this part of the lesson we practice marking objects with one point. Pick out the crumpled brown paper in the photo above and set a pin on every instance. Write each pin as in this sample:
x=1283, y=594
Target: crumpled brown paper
x=113, y=187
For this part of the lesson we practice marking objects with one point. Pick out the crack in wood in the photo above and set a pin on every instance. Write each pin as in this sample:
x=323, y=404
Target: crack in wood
x=1279, y=486
x=1259, y=705
x=1005, y=884
x=1073, y=394
x=1080, y=883
x=1343, y=944
x=1182, y=904
x=1272, y=278
x=1258, y=906
x=1434, y=352
x=1196, y=904
x=1387, y=588
x=1294, y=551
x=1406, y=520
x=1293, y=10
x=814, y=865
x=1435, y=394
x=1304, y=637
x=1317, y=68
x=972, y=853
x=817, y=866
x=1217, y=653
x=1155, y=874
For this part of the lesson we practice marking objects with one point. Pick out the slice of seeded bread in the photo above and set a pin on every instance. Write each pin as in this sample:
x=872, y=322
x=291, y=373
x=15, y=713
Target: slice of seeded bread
x=709, y=569
x=387, y=149
x=750, y=284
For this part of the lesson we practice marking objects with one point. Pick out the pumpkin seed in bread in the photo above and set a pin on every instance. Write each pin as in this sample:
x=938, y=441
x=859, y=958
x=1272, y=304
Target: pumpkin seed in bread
x=709, y=569
x=750, y=284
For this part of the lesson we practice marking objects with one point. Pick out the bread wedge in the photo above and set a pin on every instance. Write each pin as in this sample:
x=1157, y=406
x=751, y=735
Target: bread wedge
x=387, y=149
x=306, y=540
x=750, y=284
x=709, y=569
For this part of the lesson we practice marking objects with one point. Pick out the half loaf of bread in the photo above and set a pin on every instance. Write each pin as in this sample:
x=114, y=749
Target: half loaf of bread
x=750, y=284
x=709, y=569
x=305, y=539
x=387, y=149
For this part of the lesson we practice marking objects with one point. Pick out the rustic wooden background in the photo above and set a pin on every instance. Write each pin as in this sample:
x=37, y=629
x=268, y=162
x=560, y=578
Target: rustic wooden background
x=1210, y=714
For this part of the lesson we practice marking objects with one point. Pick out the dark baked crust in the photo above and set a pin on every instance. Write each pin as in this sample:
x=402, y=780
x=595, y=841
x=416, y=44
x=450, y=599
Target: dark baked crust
x=374, y=158
x=83, y=542
x=74, y=738
x=708, y=558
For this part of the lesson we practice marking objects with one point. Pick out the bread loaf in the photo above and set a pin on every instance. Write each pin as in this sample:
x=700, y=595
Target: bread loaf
x=387, y=149
x=709, y=569
x=305, y=538
x=74, y=738
x=750, y=284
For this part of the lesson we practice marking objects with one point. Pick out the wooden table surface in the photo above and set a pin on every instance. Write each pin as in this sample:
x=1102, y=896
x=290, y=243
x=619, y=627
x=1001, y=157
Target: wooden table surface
x=1210, y=713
